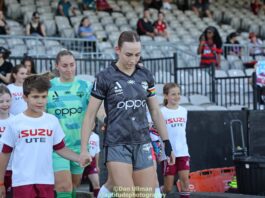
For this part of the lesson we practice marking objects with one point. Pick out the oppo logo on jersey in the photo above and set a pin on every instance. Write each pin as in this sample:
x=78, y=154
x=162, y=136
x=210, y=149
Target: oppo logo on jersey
x=131, y=104
x=66, y=111
x=35, y=132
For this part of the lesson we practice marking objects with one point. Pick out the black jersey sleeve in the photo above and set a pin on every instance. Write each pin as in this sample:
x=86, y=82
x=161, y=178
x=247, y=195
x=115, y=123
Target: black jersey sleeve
x=151, y=85
x=100, y=87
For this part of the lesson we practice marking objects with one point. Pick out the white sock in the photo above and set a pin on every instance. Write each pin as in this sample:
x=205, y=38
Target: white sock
x=157, y=193
x=104, y=193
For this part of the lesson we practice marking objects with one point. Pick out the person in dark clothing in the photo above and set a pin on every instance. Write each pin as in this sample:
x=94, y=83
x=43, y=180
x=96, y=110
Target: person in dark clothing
x=229, y=49
x=127, y=89
x=5, y=66
x=156, y=4
x=201, y=8
x=145, y=26
x=35, y=27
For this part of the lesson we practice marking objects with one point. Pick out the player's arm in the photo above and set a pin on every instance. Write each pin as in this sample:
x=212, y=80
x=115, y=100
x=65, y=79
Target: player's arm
x=66, y=153
x=4, y=159
x=88, y=124
x=159, y=122
x=6, y=78
x=157, y=117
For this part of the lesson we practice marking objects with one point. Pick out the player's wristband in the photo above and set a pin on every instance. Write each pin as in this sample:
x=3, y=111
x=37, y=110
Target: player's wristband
x=2, y=184
x=168, y=148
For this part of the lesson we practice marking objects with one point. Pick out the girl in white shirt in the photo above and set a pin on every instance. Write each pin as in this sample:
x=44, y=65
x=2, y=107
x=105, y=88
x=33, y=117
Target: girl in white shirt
x=175, y=117
x=18, y=75
x=5, y=102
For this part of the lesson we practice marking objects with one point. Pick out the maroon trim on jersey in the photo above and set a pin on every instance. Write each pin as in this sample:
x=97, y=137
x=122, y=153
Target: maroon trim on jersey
x=59, y=146
x=7, y=149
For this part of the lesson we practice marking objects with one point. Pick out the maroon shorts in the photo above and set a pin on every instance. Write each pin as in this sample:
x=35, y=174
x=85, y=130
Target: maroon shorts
x=91, y=168
x=181, y=163
x=8, y=181
x=34, y=190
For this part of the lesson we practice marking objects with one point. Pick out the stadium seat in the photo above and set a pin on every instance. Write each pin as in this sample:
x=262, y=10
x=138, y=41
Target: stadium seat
x=197, y=99
x=215, y=108
x=194, y=108
x=237, y=64
x=235, y=72
x=104, y=45
x=18, y=50
x=184, y=100
x=235, y=107
x=33, y=42
x=220, y=74
x=249, y=71
x=50, y=27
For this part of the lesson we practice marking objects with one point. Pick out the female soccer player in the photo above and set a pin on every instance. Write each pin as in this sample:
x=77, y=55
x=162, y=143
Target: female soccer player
x=126, y=88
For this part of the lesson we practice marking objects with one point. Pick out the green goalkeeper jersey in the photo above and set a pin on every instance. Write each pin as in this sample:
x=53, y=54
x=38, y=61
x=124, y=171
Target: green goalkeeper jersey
x=68, y=102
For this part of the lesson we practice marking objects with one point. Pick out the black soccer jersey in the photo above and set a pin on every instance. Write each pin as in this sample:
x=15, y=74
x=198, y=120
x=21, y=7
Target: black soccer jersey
x=125, y=104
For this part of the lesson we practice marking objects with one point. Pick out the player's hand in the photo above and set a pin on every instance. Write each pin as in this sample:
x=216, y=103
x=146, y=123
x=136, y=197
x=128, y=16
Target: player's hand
x=2, y=192
x=98, y=169
x=85, y=159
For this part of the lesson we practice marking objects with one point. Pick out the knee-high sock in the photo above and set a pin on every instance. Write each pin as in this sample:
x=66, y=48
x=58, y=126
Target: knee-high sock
x=74, y=193
x=64, y=194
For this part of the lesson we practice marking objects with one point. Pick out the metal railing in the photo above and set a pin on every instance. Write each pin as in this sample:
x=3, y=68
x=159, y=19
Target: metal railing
x=193, y=80
x=47, y=46
x=234, y=91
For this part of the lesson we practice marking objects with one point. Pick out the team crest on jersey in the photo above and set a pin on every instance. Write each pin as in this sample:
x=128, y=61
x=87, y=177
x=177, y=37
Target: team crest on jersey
x=118, y=88
x=80, y=94
x=144, y=85
x=131, y=82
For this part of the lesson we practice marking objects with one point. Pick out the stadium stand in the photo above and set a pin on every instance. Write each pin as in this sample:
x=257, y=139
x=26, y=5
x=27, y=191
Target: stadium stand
x=184, y=28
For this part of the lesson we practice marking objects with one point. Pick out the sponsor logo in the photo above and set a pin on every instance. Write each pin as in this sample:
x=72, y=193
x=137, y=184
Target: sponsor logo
x=174, y=122
x=134, y=104
x=118, y=88
x=131, y=82
x=30, y=135
x=146, y=147
x=32, y=140
x=66, y=111
x=35, y=132
x=55, y=96
x=144, y=85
